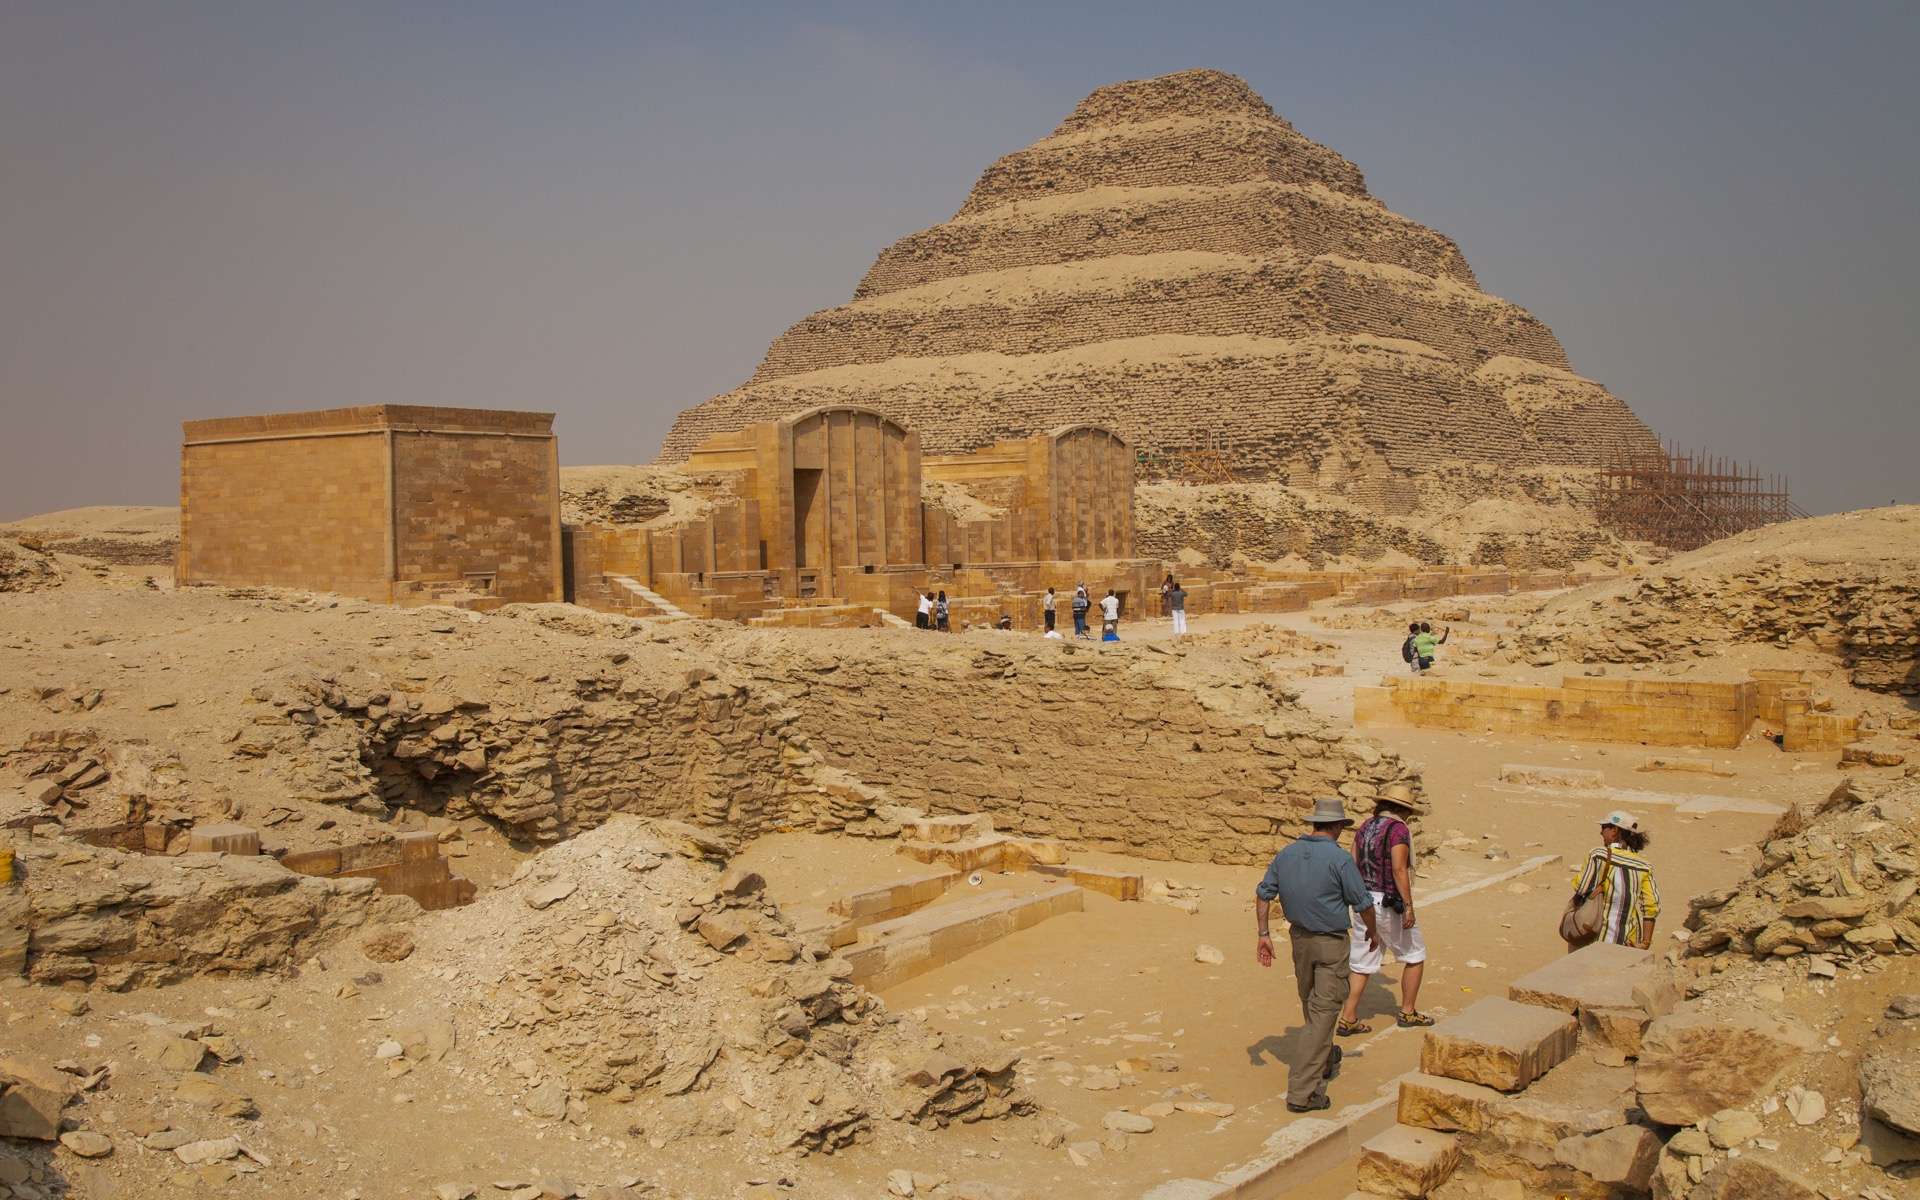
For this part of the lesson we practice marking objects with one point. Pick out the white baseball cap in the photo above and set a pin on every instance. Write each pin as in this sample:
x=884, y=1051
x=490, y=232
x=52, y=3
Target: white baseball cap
x=1621, y=820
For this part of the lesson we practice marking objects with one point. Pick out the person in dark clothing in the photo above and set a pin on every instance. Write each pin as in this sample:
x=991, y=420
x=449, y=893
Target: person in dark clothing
x=1317, y=886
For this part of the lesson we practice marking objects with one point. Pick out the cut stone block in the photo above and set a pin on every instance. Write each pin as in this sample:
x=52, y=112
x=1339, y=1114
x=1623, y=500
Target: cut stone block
x=895, y=899
x=1448, y=1105
x=947, y=829
x=1624, y=1155
x=1031, y=852
x=1118, y=884
x=223, y=839
x=1499, y=1043
x=1620, y=1028
x=971, y=854
x=907, y=946
x=1693, y=1064
x=1602, y=975
x=1408, y=1162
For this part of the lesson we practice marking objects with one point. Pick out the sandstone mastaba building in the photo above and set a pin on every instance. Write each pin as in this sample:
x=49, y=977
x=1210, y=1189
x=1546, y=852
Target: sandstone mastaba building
x=1178, y=264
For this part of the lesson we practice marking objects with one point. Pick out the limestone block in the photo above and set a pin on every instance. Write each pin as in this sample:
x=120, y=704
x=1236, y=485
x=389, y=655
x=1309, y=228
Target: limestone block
x=1602, y=975
x=1620, y=1028
x=1625, y=1155
x=31, y=1097
x=1694, y=1063
x=1499, y=1043
x=224, y=838
x=1405, y=1161
x=1448, y=1105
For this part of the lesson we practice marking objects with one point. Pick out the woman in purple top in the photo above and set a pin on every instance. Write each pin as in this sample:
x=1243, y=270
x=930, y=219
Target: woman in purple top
x=1383, y=850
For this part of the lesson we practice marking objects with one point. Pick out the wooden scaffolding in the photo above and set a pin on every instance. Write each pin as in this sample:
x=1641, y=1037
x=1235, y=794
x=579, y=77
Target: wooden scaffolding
x=1683, y=501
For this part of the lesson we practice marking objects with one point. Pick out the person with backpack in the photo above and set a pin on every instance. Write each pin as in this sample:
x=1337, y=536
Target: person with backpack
x=1081, y=603
x=1383, y=850
x=940, y=614
x=1408, y=654
x=1425, y=644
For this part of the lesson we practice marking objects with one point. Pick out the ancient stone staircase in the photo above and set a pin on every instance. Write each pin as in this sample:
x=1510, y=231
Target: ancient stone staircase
x=644, y=601
x=1500, y=1088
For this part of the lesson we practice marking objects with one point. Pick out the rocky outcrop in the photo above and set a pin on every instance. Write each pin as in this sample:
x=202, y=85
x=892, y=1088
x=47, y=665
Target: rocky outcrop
x=1847, y=585
x=1838, y=877
x=117, y=920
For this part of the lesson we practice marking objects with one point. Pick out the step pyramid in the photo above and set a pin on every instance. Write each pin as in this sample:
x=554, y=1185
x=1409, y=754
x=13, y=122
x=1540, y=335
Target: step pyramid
x=1179, y=263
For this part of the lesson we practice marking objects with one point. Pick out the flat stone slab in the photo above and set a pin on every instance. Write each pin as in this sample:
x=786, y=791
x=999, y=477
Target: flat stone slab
x=897, y=950
x=1499, y=1043
x=1448, y=1105
x=1405, y=1161
x=1119, y=884
x=1602, y=975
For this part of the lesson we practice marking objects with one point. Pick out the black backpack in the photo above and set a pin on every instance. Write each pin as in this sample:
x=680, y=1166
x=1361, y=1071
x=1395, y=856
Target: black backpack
x=1406, y=649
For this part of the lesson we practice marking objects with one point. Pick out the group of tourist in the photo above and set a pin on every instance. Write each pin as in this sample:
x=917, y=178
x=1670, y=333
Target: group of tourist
x=933, y=613
x=1420, y=646
x=1346, y=910
x=1082, y=605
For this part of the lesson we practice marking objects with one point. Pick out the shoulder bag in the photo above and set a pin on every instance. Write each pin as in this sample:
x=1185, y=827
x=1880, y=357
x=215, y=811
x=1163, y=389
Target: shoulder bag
x=1586, y=913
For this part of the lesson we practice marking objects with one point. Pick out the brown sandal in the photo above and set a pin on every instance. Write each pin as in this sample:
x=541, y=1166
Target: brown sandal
x=1413, y=1020
x=1354, y=1030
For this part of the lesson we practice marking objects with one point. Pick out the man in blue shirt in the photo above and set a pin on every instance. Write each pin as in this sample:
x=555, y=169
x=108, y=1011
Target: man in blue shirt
x=1316, y=884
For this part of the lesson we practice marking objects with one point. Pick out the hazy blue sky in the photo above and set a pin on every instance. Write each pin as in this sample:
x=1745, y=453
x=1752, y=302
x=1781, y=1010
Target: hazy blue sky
x=610, y=209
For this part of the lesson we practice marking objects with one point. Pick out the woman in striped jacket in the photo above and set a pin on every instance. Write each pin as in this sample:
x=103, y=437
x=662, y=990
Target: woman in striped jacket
x=1632, y=897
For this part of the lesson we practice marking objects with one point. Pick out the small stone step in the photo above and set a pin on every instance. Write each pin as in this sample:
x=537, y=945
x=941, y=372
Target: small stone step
x=1407, y=1162
x=1499, y=1043
x=1447, y=1105
x=1602, y=975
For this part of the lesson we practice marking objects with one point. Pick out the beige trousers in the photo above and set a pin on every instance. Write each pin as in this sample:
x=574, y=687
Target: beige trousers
x=1320, y=972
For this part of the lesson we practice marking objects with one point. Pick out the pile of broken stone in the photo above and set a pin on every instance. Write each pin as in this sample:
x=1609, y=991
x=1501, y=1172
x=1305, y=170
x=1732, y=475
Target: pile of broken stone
x=630, y=964
x=1838, y=879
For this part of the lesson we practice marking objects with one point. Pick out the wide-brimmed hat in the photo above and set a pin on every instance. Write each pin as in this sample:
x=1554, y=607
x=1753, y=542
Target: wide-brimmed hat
x=1327, y=810
x=1401, y=797
x=1622, y=820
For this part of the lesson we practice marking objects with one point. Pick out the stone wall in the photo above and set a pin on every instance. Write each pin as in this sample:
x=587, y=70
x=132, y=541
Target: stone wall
x=1639, y=711
x=1143, y=751
x=1139, y=752
x=479, y=511
x=273, y=507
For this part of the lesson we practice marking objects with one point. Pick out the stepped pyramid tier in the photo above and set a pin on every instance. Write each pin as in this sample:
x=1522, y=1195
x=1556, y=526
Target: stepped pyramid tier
x=1177, y=263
